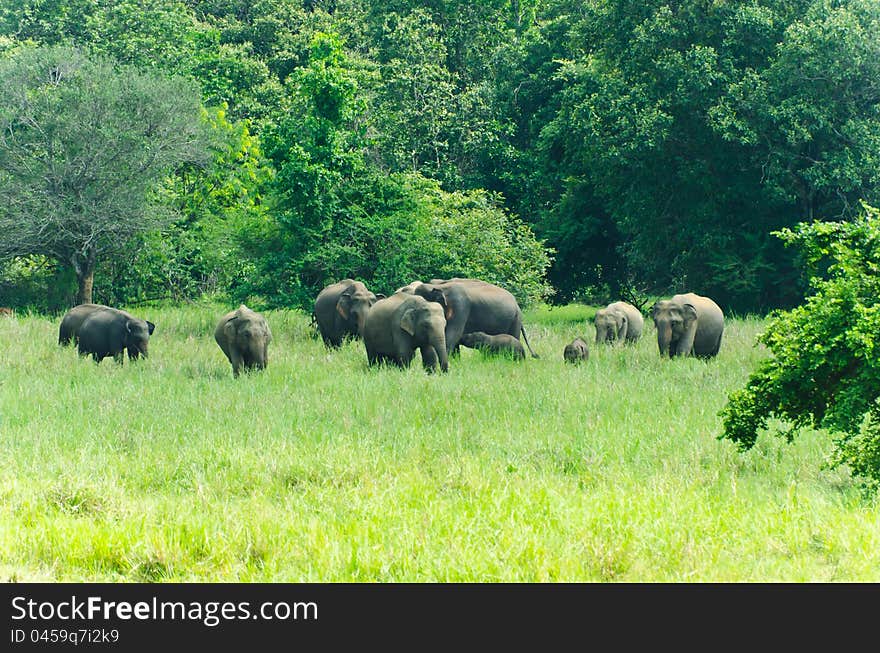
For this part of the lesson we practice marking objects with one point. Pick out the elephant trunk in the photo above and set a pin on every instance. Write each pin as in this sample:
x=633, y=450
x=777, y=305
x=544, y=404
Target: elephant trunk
x=664, y=337
x=360, y=319
x=438, y=342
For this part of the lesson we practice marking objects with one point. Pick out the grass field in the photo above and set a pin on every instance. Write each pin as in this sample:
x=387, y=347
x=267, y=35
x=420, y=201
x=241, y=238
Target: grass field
x=322, y=470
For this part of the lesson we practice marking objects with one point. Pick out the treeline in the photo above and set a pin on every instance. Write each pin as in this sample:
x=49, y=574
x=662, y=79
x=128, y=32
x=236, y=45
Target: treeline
x=566, y=149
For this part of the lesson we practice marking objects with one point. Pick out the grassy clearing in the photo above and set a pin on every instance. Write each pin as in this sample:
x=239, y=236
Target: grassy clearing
x=320, y=469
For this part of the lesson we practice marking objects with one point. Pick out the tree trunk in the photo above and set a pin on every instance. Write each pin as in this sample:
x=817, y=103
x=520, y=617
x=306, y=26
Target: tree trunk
x=85, y=277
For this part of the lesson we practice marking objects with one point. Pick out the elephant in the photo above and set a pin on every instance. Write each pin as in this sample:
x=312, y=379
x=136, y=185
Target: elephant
x=502, y=344
x=618, y=322
x=71, y=322
x=340, y=310
x=110, y=331
x=576, y=351
x=244, y=337
x=473, y=305
x=409, y=288
x=398, y=325
x=688, y=325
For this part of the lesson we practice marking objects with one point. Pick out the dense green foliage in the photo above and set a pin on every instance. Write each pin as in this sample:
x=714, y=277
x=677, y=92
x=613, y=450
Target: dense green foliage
x=321, y=470
x=652, y=146
x=824, y=370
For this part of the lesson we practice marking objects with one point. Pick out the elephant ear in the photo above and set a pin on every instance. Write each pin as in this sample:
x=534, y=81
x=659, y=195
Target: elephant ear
x=655, y=309
x=230, y=327
x=343, y=306
x=689, y=313
x=447, y=307
x=408, y=321
x=150, y=327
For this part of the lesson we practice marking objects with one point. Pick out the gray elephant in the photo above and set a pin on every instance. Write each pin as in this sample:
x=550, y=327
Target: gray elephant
x=502, y=344
x=688, y=325
x=618, y=322
x=398, y=325
x=409, y=288
x=577, y=351
x=71, y=322
x=244, y=337
x=340, y=310
x=473, y=305
x=110, y=331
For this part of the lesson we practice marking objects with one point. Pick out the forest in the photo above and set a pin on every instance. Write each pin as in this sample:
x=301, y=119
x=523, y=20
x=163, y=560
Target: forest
x=569, y=150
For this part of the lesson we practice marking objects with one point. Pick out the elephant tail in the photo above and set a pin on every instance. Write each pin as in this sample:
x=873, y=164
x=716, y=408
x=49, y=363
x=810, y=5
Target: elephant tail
x=523, y=332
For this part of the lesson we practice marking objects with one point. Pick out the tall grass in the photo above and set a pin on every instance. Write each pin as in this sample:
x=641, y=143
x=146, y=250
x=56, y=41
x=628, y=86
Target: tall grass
x=321, y=469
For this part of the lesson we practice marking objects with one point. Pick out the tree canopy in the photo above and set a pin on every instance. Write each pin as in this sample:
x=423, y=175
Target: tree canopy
x=652, y=147
x=82, y=142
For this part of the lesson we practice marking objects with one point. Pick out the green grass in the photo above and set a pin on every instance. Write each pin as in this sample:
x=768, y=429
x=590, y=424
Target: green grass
x=322, y=470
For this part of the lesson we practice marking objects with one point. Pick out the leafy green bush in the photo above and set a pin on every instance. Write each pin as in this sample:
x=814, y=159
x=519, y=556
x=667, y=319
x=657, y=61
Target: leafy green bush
x=825, y=365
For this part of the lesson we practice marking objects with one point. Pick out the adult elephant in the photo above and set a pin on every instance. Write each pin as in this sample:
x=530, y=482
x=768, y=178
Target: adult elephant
x=398, y=325
x=341, y=309
x=244, y=337
x=474, y=305
x=618, y=322
x=110, y=332
x=688, y=325
x=72, y=321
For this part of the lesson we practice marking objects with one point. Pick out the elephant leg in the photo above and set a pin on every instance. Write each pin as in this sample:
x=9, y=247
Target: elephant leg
x=119, y=358
x=237, y=361
x=624, y=329
x=454, y=332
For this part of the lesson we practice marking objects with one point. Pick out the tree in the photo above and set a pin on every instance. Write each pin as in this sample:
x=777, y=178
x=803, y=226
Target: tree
x=83, y=143
x=824, y=369
x=337, y=213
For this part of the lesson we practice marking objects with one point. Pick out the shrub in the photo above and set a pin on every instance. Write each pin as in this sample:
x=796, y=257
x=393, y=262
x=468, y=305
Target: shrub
x=825, y=365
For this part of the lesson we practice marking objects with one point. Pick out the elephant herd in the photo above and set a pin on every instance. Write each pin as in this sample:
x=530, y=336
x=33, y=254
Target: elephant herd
x=434, y=318
x=438, y=317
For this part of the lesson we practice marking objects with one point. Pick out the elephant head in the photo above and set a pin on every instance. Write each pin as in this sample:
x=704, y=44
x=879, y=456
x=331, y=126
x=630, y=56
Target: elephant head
x=353, y=306
x=611, y=325
x=434, y=293
x=137, y=337
x=676, y=324
x=425, y=324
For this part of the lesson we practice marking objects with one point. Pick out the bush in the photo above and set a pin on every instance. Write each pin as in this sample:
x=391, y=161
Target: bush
x=394, y=229
x=825, y=365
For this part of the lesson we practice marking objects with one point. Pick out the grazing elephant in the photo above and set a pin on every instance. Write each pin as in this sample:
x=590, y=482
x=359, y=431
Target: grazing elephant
x=340, y=310
x=688, y=325
x=398, y=325
x=244, y=337
x=618, y=322
x=73, y=319
x=502, y=344
x=576, y=351
x=473, y=305
x=110, y=331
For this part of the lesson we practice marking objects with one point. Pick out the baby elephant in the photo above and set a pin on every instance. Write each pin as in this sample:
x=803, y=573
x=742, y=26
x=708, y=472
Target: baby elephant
x=503, y=344
x=244, y=337
x=576, y=351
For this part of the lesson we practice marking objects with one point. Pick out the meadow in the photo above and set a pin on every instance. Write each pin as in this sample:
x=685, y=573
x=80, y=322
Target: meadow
x=320, y=469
